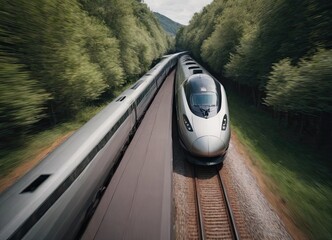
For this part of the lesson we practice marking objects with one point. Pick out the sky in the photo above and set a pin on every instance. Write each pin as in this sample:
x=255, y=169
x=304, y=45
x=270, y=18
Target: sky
x=180, y=11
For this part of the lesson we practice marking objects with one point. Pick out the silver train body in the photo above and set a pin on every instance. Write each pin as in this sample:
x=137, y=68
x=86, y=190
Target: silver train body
x=53, y=199
x=202, y=113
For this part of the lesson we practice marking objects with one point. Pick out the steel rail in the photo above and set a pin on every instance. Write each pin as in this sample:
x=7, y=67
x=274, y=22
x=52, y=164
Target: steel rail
x=199, y=207
x=229, y=208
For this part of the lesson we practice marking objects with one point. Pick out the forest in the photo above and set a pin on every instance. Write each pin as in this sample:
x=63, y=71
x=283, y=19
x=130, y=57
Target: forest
x=58, y=56
x=63, y=58
x=276, y=53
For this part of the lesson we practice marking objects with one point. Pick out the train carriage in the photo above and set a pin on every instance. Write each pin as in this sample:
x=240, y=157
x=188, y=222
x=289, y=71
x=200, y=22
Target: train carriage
x=53, y=199
x=202, y=113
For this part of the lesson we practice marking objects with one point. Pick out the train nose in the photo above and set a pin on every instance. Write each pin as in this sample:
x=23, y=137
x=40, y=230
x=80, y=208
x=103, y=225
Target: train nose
x=208, y=146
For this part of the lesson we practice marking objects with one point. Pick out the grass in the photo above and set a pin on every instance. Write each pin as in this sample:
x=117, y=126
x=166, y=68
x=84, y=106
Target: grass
x=12, y=158
x=301, y=174
x=34, y=144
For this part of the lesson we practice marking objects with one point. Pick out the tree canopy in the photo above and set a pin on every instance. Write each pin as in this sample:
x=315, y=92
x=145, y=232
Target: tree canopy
x=57, y=56
x=276, y=51
x=280, y=48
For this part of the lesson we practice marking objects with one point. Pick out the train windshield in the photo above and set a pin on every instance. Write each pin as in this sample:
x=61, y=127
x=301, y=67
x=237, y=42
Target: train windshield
x=204, y=99
x=203, y=95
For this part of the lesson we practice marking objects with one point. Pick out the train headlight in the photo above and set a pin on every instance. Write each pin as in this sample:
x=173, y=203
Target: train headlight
x=224, y=123
x=187, y=123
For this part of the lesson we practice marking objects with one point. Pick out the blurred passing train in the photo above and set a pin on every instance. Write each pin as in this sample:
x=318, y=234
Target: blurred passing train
x=53, y=199
x=202, y=113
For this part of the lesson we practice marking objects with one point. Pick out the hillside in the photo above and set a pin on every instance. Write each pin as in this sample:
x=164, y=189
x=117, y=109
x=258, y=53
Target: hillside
x=168, y=24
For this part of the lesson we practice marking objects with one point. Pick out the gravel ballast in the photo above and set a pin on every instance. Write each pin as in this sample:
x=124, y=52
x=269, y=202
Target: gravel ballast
x=257, y=214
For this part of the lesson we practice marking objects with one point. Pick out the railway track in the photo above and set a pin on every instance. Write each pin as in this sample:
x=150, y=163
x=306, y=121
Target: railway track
x=214, y=218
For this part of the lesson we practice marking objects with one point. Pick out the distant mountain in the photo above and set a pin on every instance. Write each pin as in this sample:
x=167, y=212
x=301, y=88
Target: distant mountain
x=168, y=24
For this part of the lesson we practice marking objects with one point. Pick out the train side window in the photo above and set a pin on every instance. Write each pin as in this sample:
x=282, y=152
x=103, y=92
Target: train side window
x=36, y=183
x=137, y=85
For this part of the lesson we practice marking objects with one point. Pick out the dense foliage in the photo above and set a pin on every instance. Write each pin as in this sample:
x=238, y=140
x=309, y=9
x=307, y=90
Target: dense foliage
x=279, y=50
x=57, y=56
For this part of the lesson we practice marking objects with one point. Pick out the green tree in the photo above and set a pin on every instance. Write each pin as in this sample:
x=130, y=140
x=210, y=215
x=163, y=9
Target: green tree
x=201, y=26
x=61, y=55
x=305, y=87
x=140, y=37
x=217, y=49
x=21, y=100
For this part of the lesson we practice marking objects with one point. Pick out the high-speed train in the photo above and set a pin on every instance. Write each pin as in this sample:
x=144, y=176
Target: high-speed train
x=202, y=113
x=54, y=199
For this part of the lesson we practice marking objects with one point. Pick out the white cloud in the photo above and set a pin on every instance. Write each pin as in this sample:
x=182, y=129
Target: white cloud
x=178, y=11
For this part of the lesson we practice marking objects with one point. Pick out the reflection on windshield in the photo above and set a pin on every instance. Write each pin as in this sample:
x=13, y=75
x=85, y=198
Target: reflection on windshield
x=203, y=95
x=204, y=99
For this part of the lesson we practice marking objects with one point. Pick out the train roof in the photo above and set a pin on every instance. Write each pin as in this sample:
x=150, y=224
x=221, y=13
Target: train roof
x=201, y=83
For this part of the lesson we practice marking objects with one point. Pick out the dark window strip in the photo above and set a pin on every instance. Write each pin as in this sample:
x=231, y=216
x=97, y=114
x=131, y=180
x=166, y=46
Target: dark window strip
x=43, y=208
x=137, y=85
